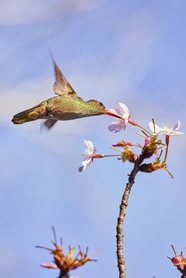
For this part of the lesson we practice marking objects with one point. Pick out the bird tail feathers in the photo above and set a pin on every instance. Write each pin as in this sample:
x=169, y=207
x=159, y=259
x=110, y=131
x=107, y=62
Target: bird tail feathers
x=26, y=116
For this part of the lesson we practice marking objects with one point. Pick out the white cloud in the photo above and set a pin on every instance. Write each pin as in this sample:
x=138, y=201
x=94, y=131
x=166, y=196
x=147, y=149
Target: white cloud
x=25, y=12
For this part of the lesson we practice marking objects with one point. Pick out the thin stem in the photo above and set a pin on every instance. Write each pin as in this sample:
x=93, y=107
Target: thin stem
x=113, y=148
x=169, y=173
x=167, y=137
x=120, y=221
x=97, y=155
x=109, y=155
x=144, y=129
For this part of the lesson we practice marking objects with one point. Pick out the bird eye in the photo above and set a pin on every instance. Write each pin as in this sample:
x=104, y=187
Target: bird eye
x=101, y=103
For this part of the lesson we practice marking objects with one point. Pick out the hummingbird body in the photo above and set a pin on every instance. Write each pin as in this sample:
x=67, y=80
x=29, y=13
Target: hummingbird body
x=66, y=106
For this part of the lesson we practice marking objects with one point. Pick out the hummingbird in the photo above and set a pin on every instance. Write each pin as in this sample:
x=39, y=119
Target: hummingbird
x=67, y=105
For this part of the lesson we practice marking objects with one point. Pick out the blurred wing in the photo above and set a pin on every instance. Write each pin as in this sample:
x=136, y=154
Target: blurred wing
x=61, y=85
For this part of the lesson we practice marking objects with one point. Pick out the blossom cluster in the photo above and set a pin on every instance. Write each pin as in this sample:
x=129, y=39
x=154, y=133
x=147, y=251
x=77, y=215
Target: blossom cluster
x=151, y=143
x=66, y=263
x=179, y=261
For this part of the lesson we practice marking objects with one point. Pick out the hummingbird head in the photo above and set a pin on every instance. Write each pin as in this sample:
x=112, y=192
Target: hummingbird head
x=96, y=107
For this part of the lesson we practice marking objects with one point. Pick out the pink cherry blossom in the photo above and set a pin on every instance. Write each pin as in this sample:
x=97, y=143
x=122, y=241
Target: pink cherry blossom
x=167, y=130
x=88, y=156
x=123, y=114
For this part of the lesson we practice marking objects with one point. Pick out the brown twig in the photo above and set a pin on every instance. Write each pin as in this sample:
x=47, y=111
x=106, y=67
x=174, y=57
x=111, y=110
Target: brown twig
x=122, y=213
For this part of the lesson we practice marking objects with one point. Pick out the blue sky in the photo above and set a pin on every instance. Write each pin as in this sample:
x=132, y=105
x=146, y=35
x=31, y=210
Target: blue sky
x=114, y=51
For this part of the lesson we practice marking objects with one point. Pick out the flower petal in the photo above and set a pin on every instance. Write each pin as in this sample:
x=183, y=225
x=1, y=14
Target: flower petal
x=177, y=125
x=166, y=129
x=123, y=112
x=116, y=126
x=88, y=156
x=125, y=108
x=156, y=127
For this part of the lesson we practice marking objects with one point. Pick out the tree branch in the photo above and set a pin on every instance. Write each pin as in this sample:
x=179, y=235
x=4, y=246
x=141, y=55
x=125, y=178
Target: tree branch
x=122, y=213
